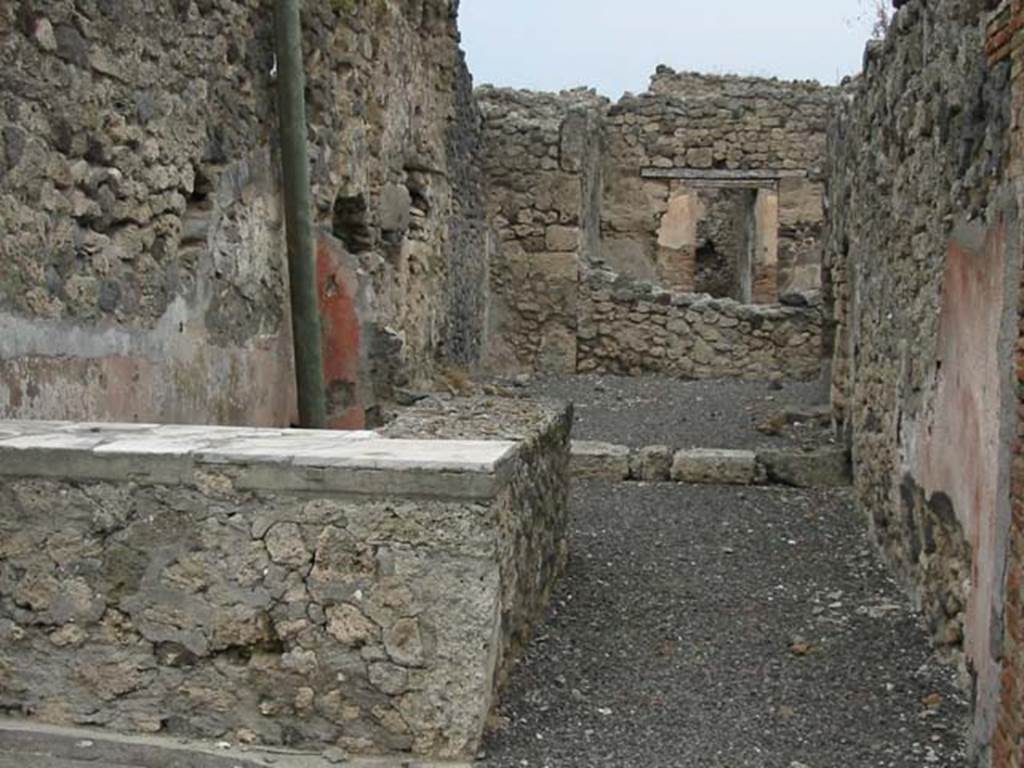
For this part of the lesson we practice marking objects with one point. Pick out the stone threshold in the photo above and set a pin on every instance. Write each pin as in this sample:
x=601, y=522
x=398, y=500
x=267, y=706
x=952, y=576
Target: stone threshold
x=827, y=467
x=256, y=459
x=34, y=745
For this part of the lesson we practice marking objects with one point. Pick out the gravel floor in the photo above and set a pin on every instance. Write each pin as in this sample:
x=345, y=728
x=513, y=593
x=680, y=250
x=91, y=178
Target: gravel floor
x=657, y=410
x=725, y=628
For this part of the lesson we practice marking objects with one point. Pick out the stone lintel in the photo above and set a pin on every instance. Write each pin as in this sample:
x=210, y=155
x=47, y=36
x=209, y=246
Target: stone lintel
x=256, y=459
x=730, y=183
x=754, y=177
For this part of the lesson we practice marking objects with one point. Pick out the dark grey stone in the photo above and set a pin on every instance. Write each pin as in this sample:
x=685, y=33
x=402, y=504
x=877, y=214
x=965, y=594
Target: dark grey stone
x=71, y=46
x=110, y=294
x=794, y=299
x=14, y=145
x=819, y=468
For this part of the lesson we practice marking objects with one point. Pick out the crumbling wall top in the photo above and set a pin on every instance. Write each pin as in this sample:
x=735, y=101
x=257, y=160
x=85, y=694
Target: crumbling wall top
x=520, y=107
x=666, y=81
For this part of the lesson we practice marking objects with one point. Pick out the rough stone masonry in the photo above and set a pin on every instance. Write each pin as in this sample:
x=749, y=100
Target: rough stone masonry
x=702, y=186
x=924, y=265
x=310, y=590
x=141, y=209
x=679, y=230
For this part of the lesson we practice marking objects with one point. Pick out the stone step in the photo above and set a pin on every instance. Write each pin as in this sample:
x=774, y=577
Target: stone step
x=827, y=467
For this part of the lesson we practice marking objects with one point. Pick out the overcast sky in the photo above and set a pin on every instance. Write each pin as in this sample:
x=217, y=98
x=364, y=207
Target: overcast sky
x=614, y=45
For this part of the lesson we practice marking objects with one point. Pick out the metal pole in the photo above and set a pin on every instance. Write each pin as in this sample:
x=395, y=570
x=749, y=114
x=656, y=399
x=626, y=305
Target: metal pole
x=291, y=98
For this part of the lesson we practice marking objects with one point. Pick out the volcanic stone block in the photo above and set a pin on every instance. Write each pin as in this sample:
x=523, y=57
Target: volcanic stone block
x=559, y=238
x=821, y=468
x=652, y=463
x=599, y=461
x=713, y=466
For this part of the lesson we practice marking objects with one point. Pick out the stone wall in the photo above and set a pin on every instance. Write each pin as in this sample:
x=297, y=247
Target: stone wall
x=570, y=179
x=139, y=197
x=674, y=151
x=635, y=328
x=1005, y=43
x=924, y=260
x=535, y=546
x=464, y=334
x=275, y=587
x=1008, y=742
x=540, y=158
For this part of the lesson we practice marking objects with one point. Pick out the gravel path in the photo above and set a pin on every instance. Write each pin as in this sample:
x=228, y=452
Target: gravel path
x=725, y=628
x=657, y=410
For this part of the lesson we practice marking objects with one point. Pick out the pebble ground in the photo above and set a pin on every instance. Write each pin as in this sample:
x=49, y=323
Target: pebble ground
x=658, y=410
x=720, y=627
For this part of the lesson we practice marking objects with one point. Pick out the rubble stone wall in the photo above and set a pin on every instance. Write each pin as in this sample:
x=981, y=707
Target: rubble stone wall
x=923, y=254
x=720, y=132
x=1005, y=43
x=140, y=203
x=540, y=155
x=555, y=178
x=279, y=588
x=635, y=328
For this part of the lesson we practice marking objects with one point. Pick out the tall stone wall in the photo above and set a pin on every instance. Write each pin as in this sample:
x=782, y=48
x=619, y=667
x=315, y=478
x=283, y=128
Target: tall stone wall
x=1005, y=46
x=1008, y=741
x=924, y=261
x=540, y=159
x=671, y=154
x=464, y=336
x=140, y=202
x=577, y=187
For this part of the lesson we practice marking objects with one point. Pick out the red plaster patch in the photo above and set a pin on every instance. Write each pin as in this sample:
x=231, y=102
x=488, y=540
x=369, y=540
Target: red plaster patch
x=957, y=448
x=341, y=335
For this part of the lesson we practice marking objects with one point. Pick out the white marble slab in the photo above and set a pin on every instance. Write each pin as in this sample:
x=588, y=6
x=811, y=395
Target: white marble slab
x=81, y=448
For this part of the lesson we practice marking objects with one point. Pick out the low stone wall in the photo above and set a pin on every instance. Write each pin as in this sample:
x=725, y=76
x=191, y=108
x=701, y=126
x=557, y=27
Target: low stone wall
x=537, y=545
x=275, y=587
x=634, y=328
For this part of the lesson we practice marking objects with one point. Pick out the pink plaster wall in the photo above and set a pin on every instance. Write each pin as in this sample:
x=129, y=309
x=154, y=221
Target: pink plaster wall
x=185, y=382
x=959, y=447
